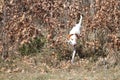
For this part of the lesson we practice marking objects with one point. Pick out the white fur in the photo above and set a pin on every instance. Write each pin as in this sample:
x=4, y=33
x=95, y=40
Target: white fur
x=73, y=38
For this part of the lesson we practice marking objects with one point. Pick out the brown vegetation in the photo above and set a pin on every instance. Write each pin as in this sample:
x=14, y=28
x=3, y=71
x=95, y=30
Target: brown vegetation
x=24, y=20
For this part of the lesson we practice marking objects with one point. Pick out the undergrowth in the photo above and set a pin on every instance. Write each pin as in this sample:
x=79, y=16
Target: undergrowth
x=34, y=46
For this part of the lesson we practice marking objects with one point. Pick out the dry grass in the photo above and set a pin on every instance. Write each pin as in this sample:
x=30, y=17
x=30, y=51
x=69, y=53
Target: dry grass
x=73, y=74
x=31, y=68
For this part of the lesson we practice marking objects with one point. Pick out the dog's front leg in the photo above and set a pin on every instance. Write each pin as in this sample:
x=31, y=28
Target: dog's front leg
x=73, y=55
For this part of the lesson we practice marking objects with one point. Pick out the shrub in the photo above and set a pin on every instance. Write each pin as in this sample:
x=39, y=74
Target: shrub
x=34, y=46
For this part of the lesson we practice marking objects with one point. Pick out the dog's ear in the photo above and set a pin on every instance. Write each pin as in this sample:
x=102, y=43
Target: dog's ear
x=68, y=37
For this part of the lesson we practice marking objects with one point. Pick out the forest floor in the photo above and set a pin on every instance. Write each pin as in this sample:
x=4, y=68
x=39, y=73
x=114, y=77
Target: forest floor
x=32, y=68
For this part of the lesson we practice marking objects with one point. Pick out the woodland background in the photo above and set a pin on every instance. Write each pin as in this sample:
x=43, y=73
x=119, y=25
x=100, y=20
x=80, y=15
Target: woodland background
x=35, y=31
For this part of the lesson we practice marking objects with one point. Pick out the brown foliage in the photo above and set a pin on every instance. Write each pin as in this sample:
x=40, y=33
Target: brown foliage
x=53, y=18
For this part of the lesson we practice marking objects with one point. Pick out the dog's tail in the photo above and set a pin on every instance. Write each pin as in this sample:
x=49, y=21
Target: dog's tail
x=80, y=22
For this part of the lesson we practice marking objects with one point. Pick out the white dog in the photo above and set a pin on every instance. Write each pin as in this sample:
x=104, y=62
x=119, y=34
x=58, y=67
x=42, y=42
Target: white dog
x=73, y=36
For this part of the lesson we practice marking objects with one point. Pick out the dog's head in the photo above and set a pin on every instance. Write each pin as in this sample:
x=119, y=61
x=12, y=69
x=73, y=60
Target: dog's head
x=72, y=39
